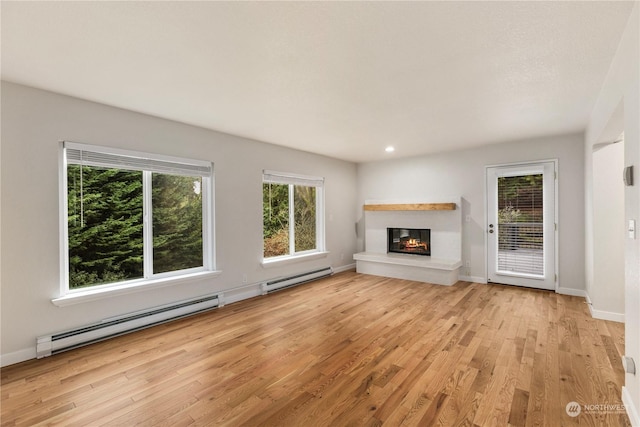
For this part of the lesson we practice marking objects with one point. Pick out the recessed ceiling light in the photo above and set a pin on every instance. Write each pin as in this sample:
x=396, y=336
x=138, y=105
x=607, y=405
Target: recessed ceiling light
x=390, y=149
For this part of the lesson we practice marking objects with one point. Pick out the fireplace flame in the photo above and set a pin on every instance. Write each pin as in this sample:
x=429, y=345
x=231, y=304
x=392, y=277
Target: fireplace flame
x=415, y=243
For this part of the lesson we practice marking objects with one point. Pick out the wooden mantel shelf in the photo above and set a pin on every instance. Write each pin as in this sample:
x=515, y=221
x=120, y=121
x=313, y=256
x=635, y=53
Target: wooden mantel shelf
x=411, y=207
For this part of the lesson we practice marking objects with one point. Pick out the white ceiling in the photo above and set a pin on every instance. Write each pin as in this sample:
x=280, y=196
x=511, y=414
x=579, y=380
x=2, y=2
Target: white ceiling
x=343, y=79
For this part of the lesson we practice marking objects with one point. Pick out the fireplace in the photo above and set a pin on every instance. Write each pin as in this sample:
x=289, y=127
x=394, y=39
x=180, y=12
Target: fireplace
x=415, y=241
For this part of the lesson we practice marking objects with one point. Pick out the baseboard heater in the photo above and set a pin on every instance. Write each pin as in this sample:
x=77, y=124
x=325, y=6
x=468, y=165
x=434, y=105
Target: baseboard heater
x=290, y=281
x=115, y=326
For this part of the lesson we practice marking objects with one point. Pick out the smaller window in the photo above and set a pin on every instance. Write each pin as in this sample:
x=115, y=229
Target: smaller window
x=292, y=214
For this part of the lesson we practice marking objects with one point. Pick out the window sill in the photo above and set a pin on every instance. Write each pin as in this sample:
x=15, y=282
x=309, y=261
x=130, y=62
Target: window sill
x=279, y=261
x=87, y=295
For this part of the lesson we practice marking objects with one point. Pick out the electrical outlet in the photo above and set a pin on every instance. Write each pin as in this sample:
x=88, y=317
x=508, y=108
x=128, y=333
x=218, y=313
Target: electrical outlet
x=244, y=278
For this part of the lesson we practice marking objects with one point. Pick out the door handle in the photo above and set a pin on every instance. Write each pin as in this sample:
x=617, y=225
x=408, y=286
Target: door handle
x=491, y=231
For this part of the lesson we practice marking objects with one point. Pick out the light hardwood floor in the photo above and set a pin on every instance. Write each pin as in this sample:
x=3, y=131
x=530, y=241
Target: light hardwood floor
x=349, y=350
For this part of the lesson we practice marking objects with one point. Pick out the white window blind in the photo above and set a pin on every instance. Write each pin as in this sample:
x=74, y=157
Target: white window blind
x=285, y=178
x=88, y=155
x=520, y=224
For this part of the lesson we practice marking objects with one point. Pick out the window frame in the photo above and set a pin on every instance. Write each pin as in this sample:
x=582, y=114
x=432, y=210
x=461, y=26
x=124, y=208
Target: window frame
x=290, y=179
x=143, y=162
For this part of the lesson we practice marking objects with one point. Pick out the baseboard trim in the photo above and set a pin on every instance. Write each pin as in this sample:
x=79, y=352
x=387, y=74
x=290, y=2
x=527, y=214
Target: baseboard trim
x=607, y=315
x=344, y=268
x=474, y=279
x=17, y=356
x=604, y=315
x=573, y=292
x=230, y=298
x=632, y=412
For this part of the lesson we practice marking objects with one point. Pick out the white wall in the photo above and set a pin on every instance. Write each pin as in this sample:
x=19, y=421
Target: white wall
x=606, y=290
x=33, y=122
x=462, y=174
x=621, y=93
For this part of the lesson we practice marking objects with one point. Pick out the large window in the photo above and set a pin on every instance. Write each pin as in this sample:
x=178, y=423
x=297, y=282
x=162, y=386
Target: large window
x=292, y=214
x=133, y=217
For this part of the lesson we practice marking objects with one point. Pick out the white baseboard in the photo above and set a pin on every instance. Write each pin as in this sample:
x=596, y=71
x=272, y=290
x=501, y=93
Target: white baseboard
x=632, y=411
x=344, y=268
x=18, y=356
x=473, y=279
x=239, y=296
x=573, y=292
x=604, y=315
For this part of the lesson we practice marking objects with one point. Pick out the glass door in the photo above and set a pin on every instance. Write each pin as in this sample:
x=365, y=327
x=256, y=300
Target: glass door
x=521, y=225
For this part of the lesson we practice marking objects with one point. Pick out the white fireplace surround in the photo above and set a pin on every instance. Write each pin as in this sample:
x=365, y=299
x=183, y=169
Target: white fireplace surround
x=442, y=267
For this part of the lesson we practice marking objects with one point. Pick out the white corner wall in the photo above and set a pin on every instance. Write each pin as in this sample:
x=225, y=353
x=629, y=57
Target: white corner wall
x=462, y=174
x=606, y=290
x=33, y=121
x=621, y=93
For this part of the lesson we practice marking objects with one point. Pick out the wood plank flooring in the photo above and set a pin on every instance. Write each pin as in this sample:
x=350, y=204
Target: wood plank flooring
x=349, y=350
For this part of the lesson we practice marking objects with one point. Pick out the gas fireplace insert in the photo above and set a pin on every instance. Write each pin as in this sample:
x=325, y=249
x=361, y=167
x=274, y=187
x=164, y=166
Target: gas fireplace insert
x=414, y=241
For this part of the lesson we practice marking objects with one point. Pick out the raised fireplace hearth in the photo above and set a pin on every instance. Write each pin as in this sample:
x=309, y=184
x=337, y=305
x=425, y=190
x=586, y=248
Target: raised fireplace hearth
x=412, y=240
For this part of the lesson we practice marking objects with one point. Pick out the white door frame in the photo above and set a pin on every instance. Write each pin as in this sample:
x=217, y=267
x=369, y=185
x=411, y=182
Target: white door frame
x=555, y=213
